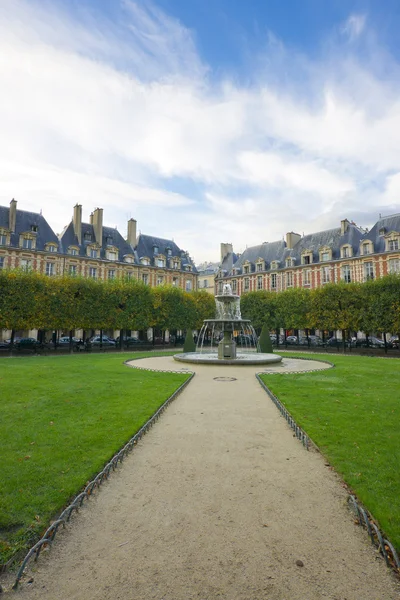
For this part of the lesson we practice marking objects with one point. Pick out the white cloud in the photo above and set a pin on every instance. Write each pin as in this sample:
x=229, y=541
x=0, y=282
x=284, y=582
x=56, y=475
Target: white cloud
x=123, y=114
x=354, y=26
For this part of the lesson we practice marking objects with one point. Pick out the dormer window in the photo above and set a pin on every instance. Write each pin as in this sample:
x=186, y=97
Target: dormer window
x=306, y=257
x=393, y=245
x=87, y=236
x=27, y=243
x=34, y=228
x=160, y=262
x=346, y=251
x=188, y=268
x=73, y=251
x=274, y=264
x=289, y=262
x=155, y=250
x=92, y=252
x=51, y=248
x=169, y=252
x=366, y=248
x=176, y=264
x=260, y=265
x=382, y=231
x=145, y=261
x=128, y=258
x=3, y=239
x=109, y=241
x=183, y=254
x=246, y=269
x=325, y=254
x=112, y=255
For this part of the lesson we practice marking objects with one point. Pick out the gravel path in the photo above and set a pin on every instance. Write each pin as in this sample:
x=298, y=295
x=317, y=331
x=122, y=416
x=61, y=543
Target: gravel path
x=218, y=501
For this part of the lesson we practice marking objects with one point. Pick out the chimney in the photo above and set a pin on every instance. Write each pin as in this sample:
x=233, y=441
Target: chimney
x=131, y=236
x=292, y=239
x=97, y=223
x=13, y=215
x=77, y=221
x=344, y=224
x=91, y=218
x=225, y=250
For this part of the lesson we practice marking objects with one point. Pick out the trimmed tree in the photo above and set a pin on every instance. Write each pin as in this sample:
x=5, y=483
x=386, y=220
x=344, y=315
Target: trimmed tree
x=189, y=345
x=265, y=340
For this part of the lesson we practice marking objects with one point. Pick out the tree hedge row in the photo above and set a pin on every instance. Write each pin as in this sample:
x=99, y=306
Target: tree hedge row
x=371, y=307
x=29, y=300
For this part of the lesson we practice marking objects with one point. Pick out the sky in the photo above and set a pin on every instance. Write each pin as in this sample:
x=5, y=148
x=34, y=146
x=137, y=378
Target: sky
x=207, y=121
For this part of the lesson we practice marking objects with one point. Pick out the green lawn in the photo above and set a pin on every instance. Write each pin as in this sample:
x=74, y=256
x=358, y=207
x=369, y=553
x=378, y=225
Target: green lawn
x=352, y=413
x=62, y=419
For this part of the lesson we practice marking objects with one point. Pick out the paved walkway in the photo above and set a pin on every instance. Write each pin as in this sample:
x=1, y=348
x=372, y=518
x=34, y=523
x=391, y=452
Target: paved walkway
x=218, y=501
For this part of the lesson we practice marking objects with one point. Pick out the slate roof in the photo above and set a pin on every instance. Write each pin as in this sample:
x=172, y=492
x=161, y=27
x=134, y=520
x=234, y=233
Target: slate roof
x=278, y=251
x=388, y=224
x=24, y=222
x=331, y=238
x=208, y=268
x=147, y=243
x=268, y=251
x=110, y=237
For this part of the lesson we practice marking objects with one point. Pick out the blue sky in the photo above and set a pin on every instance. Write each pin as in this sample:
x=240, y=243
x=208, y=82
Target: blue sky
x=206, y=120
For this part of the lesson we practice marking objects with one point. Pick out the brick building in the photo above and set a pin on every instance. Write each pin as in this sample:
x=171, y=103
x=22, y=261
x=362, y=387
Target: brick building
x=347, y=253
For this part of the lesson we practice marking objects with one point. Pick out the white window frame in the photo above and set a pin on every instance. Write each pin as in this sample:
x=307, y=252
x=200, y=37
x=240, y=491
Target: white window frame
x=93, y=272
x=393, y=245
x=325, y=275
x=50, y=270
x=346, y=273
x=369, y=272
x=306, y=277
x=394, y=265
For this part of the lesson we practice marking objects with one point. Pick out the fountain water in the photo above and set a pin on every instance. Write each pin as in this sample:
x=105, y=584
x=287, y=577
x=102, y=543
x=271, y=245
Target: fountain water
x=228, y=339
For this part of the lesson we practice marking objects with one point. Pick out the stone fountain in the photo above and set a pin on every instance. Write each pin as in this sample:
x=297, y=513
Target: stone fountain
x=228, y=339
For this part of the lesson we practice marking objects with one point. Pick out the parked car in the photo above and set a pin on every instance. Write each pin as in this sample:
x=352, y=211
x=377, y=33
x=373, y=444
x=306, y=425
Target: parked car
x=375, y=342
x=105, y=341
x=292, y=340
x=129, y=341
x=394, y=341
x=313, y=340
x=30, y=344
x=4, y=344
x=64, y=340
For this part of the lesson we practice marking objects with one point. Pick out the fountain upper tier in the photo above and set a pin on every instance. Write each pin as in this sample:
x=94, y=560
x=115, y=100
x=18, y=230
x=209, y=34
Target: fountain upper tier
x=227, y=305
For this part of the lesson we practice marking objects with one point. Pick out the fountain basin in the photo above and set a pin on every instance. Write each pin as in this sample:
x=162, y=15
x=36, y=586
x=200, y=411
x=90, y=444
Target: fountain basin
x=242, y=358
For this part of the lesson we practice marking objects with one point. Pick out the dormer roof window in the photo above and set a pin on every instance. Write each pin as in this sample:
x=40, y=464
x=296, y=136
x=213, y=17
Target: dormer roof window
x=34, y=228
x=155, y=250
x=87, y=236
x=109, y=241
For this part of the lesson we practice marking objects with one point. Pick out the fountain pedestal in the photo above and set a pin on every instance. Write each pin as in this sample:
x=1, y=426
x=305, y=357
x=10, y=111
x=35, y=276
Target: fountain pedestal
x=227, y=347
